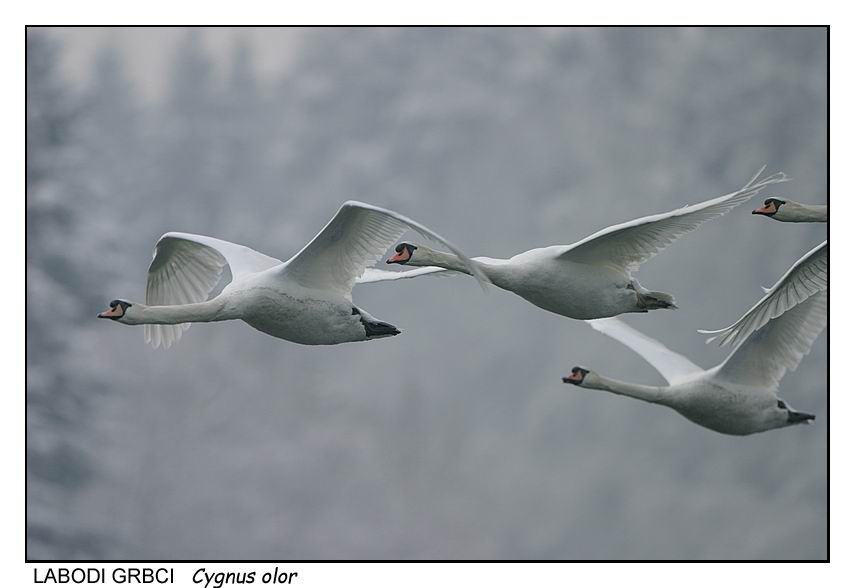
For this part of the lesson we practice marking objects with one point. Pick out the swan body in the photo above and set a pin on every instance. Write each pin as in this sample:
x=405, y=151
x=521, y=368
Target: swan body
x=593, y=277
x=306, y=299
x=543, y=279
x=309, y=316
x=722, y=407
x=737, y=397
x=301, y=316
x=549, y=282
x=790, y=211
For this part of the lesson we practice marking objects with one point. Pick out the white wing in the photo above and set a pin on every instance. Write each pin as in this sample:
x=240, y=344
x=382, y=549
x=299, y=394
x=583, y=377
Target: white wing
x=375, y=274
x=808, y=276
x=765, y=356
x=355, y=238
x=674, y=367
x=185, y=269
x=628, y=245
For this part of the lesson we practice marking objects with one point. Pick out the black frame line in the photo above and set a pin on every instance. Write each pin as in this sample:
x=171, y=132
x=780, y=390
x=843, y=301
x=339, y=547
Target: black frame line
x=827, y=28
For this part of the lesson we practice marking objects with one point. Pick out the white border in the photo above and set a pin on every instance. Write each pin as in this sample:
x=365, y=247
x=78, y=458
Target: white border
x=530, y=12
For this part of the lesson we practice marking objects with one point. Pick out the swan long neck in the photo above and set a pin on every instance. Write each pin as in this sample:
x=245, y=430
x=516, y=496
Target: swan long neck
x=803, y=213
x=199, y=312
x=425, y=256
x=654, y=394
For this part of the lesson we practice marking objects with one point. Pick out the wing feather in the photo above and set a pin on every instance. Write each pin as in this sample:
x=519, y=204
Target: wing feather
x=674, y=367
x=805, y=278
x=186, y=268
x=766, y=354
x=356, y=237
x=374, y=274
x=628, y=245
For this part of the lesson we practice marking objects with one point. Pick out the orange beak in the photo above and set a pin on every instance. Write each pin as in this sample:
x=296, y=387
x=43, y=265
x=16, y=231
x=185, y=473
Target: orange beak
x=114, y=312
x=401, y=257
x=765, y=209
x=575, y=376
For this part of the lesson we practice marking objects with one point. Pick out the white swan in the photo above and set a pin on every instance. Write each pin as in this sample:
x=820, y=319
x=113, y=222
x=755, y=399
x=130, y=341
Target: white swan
x=738, y=397
x=592, y=278
x=790, y=211
x=808, y=276
x=305, y=300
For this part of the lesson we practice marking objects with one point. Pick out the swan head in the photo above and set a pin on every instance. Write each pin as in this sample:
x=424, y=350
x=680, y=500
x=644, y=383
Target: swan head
x=403, y=253
x=118, y=310
x=770, y=207
x=577, y=376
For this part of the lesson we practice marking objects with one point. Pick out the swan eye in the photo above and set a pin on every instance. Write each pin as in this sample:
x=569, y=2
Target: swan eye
x=781, y=404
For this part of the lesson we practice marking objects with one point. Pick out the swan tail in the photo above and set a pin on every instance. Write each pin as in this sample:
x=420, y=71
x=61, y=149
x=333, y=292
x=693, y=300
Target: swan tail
x=650, y=300
x=377, y=330
x=654, y=300
x=374, y=329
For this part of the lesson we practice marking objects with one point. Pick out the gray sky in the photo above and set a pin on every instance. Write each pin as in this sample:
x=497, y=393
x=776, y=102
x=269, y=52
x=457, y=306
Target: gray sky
x=455, y=439
x=147, y=51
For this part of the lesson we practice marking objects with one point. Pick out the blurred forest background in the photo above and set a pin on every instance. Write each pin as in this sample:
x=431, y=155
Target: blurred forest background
x=457, y=438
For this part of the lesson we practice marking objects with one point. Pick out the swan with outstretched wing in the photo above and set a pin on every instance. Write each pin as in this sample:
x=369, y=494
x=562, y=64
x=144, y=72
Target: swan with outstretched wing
x=593, y=277
x=737, y=397
x=306, y=299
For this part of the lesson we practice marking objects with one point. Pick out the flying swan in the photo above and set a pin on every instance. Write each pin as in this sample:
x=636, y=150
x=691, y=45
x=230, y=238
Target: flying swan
x=589, y=279
x=790, y=211
x=738, y=397
x=306, y=299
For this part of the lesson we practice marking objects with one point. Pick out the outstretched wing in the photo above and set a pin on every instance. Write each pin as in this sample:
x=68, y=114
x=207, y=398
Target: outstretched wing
x=186, y=268
x=808, y=276
x=764, y=357
x=674, y=367
x=628, y=245
x=375, y=274
x=355, y=238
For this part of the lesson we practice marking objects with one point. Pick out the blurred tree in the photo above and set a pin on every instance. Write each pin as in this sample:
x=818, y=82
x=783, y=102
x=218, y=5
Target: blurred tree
x=85, y=163
x=190, y=158
x=114, y=154
x=246, y=128
x=60, y=281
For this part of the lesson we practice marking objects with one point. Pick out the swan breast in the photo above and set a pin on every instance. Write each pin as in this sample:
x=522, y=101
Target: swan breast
x=568, y=288
x=725, y=409
x=301, y=317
